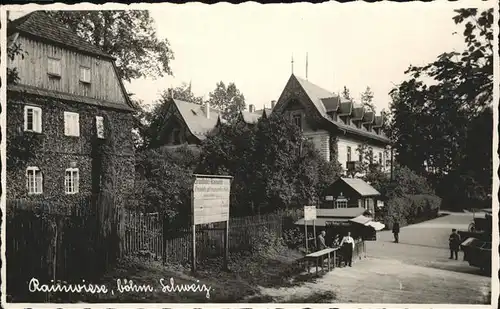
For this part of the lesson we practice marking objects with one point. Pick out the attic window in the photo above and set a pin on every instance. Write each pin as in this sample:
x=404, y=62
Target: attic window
x=85, y=74
x=194, y=113
x=54, y=67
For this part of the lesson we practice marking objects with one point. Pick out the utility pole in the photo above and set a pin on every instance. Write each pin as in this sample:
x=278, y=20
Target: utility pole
x=307, y=63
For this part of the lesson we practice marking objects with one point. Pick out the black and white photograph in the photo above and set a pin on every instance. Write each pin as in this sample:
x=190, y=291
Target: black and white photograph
x=260, y=155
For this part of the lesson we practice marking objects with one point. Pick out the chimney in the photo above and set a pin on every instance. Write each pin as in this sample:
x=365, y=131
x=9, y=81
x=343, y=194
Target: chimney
x=251, y=108
x=273, y=102
x=207, y=109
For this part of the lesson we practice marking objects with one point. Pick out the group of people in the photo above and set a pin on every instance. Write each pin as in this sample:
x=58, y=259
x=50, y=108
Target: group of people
x=346, y=246
x=454, y=240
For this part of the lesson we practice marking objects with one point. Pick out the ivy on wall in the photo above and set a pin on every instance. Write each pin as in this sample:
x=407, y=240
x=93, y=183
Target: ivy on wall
x=334, y=148
x=108, y=161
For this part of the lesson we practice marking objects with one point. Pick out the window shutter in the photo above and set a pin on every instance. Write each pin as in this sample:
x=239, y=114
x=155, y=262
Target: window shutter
x=76, y=181
x=77, y=125
x=85, y=74
x=37, y=120
x=67, y=119
x=39, y=181
x=26, y=124
x=54, y=66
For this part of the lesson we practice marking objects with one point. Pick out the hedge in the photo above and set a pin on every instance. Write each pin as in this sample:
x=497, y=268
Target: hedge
x=408, y=209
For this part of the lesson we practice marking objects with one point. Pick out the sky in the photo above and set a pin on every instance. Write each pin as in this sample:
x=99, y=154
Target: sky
x=354, y=45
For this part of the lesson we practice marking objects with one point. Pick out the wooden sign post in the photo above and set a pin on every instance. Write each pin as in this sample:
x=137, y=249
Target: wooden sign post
x=310, y=214
x=209, y=204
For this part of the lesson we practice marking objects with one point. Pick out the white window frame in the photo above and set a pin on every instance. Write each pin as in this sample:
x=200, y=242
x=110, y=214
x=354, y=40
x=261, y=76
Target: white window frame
x=71, y=124
x=54, y=66
x=99, y=124
x=71, y=181
x=85, y=76
x=341, y=203
x=34, y=182
x=36, y=119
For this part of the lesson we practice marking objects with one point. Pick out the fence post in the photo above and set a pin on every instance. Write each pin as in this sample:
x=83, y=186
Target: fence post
x=52, y=254
x=164, y=239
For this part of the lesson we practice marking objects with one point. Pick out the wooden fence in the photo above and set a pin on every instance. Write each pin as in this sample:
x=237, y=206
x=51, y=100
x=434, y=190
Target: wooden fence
x=143, y=234
x=148, y=235
x=68, y=242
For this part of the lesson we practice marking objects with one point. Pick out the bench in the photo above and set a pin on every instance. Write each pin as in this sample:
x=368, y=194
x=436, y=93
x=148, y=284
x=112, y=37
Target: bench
x=320, y=255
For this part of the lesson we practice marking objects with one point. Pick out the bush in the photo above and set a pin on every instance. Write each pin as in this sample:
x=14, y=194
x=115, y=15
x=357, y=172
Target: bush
x=266, y=243
x=293, y=237
x=410, y=209
x=163, y=180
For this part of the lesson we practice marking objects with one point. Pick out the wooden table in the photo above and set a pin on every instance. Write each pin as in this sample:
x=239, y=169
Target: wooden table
x=320, y=255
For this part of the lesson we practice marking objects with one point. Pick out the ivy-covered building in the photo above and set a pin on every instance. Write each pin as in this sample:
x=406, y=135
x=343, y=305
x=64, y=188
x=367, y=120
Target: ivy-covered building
x=69, y=118
x=337, y=127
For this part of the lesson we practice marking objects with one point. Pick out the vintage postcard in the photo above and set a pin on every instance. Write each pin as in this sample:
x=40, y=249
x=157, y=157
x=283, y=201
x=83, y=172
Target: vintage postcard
x=280, y=155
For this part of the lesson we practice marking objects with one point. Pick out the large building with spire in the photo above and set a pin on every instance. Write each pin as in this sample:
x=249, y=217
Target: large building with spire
x=337, y=127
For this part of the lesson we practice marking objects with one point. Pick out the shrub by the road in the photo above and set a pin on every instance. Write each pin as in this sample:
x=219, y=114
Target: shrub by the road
x=410, y=209
x=410, y=197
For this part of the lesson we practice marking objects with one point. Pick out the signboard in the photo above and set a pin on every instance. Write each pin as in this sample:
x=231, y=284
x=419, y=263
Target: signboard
x=329, y=198
x=309, y=213
x=380, y=204
x=337, y=223
x=210, y=199
x=210, y=203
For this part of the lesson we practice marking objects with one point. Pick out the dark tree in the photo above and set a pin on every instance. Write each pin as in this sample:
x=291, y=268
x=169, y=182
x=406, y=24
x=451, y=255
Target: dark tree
x=127, y=35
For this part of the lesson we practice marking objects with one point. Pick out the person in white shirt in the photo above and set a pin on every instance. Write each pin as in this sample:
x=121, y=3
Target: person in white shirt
x=347, y=245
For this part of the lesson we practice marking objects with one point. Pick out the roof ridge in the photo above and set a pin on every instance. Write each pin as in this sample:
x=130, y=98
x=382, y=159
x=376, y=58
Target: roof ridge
x=201, y=105
x=39, y=24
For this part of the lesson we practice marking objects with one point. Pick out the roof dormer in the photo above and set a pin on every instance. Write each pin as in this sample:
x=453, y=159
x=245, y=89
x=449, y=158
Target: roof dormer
x=357, y=115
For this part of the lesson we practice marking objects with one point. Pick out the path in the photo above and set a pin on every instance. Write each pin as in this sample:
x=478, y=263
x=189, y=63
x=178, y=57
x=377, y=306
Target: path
x=417, y=270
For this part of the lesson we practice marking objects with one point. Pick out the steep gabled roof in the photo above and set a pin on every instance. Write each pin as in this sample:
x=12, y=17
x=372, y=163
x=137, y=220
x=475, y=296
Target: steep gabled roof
x=315, y=93
x=195, y=117
x=40, y=25
x=250, y=118
x=360, y=186
x=318, y=96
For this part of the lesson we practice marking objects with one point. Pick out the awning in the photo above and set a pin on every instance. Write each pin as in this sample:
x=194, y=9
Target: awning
x=361, y=220
x=376, y=225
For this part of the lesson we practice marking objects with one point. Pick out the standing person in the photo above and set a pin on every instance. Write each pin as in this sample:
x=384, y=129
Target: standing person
x=454, y=242
x=321, y=241
x=347, y=245
x=395, y=231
